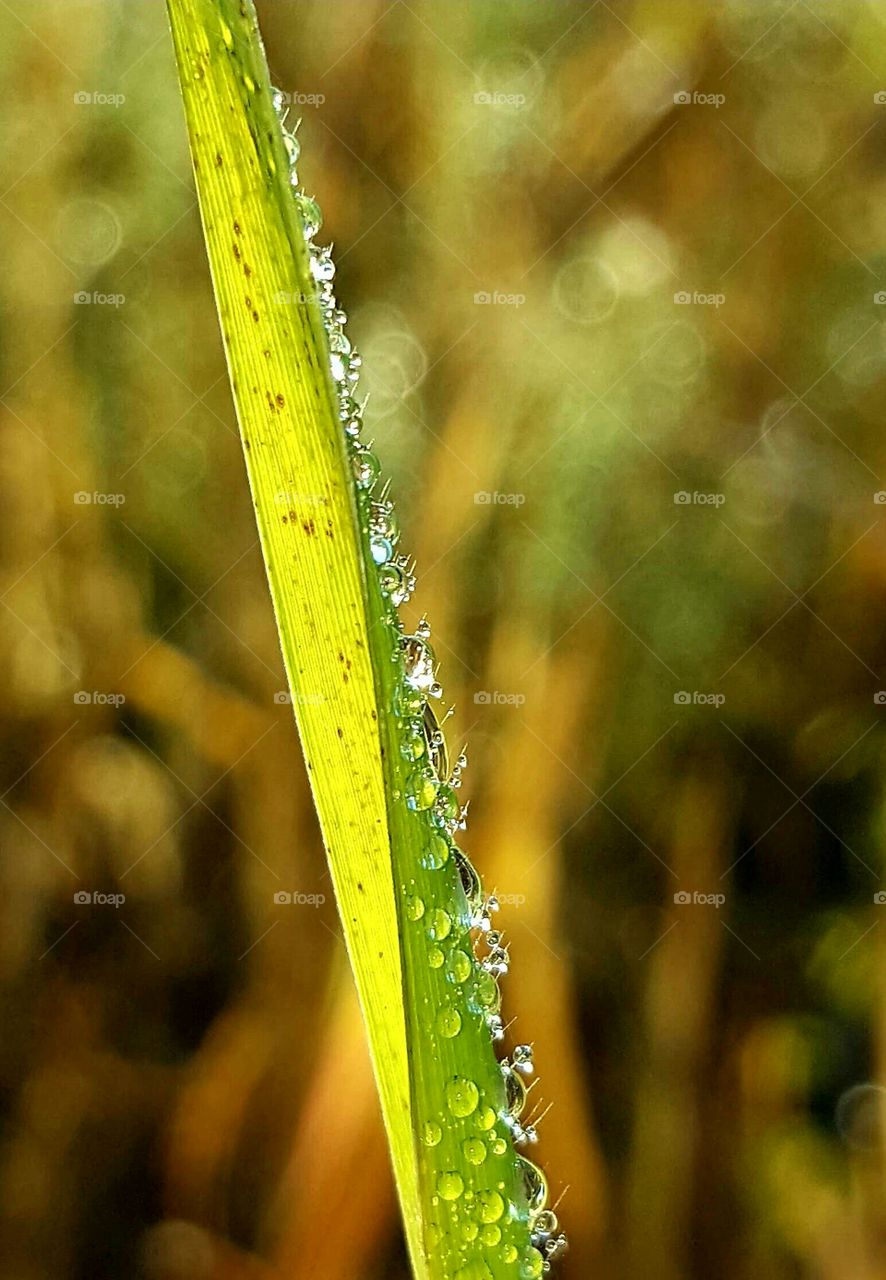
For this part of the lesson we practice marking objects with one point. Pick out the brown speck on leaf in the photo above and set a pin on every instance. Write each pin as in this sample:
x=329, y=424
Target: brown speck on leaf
x=280, y=400
x=247, y=445
x=255, y=316
x=292, y=515
x=286, y=519
x=247, y=270
x=218, y=159
x=237, y=231
x=308, y=526
x=340, y=732
x=236, y=248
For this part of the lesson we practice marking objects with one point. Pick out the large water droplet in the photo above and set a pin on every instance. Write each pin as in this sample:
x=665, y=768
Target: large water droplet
x=531, y=1265
x=432, y=1133
x=421, y=789
x=485, y=1118
x=535, y=1185
x=459, y=967
x=450, y=1185
x=449, y=1022
x=439, y=925
x=419, y=663
x=312, y=218
x=490, y=1205
x=415, y=907
x=436, y=852
x=515, y=1092
x=462, y=1096
x=474, y=1150
x=366, y=467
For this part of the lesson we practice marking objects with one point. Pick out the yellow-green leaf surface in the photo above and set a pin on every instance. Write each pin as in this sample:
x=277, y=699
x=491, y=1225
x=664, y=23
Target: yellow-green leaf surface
x=469, y=1201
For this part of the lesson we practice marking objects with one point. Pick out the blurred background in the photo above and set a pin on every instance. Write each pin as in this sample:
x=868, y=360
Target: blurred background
x=617, y=274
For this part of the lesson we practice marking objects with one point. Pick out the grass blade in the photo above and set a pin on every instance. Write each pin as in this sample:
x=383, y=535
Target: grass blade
x=364, y=694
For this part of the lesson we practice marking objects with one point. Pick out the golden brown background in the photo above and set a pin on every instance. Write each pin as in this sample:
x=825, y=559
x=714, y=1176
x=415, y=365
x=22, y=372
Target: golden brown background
x=185, y=1088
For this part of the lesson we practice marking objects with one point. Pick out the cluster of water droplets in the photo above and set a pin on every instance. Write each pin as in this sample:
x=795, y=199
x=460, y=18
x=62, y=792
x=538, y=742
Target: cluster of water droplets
x=433, y=783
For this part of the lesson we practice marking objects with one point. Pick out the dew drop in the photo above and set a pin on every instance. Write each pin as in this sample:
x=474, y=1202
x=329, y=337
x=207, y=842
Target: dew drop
x=470, y=1231
x=459, y=967
x=509, y=1253
x=485, y=1118
x=432, y=1133
x=487, y=992
x=366, y=467
x=412, y=746
x=446, y=809
x=515, y=1092
x=419, y=662
x=535, y=1185
x=436, y=957
x=436, y=853
x=380, y=549
x=490, y=1205
x=462, y=1096
x=408, y=701
x=470, y=881
x=293, y=148
x=499, y=1145
x=531, y=1265
x=490, y=1235
x=312, y=218
x=440, y=925
x=474, y=1150
x=415, y=907
x=450, y=1185
x=449, y=1022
